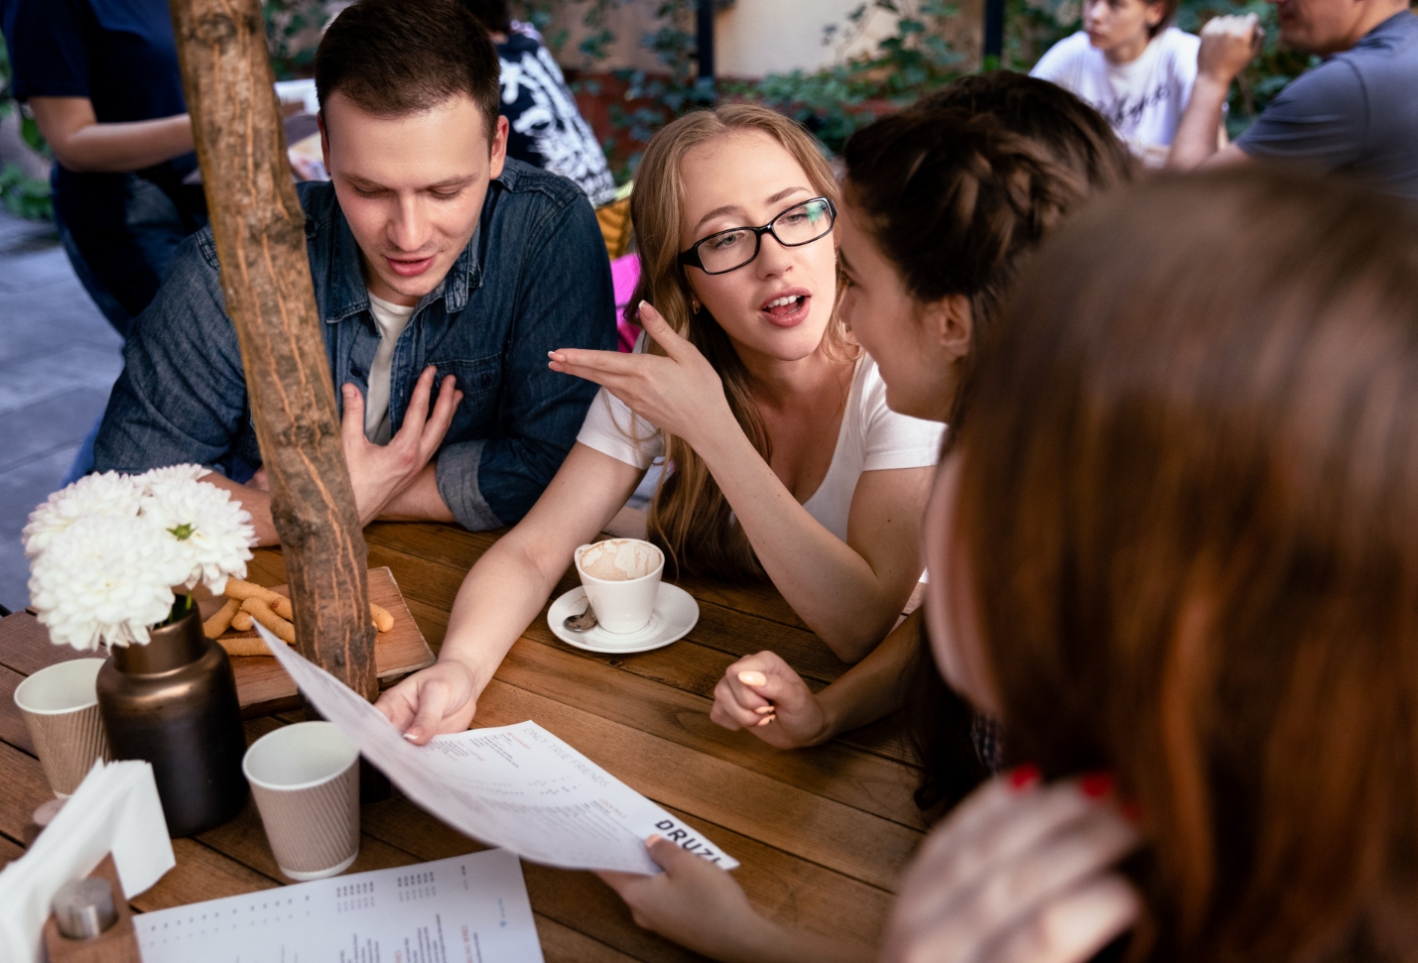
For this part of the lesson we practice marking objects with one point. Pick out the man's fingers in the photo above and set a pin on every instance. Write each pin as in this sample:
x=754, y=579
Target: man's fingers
x=418, y=404
x=449, y=397
x=352, y=427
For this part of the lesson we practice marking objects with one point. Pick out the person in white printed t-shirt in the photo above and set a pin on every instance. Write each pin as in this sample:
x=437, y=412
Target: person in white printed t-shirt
x=1132, y=66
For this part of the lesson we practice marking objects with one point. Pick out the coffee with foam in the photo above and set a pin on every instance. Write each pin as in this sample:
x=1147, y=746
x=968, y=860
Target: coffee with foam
x=619, y=560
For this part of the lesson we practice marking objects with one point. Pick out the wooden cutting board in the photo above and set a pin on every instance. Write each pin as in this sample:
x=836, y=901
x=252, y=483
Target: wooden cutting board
x=262, y=685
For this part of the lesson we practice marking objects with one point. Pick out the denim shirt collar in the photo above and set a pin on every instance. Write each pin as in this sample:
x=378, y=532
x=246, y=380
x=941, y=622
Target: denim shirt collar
x=345, y=291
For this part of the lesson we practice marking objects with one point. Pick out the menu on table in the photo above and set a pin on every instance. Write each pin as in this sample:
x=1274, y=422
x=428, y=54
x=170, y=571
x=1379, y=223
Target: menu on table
x=468, y=909
x=518, y=786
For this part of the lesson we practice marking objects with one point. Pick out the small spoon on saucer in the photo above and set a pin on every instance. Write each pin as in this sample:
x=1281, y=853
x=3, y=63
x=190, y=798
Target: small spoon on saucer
x=584, y=622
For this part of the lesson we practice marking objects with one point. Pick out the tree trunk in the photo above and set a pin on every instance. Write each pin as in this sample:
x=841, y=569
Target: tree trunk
x=260, y=235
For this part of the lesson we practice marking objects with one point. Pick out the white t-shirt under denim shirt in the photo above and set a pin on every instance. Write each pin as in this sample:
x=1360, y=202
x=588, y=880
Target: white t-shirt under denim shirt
x=391, y=319
x=1144, y=99
x=872, y=438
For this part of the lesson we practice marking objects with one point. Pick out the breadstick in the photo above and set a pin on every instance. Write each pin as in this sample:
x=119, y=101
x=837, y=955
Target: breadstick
x=221, y=619
x=383, y=621
x=241, y=621
x=238, y=589
x=244, y=645
x=261, y=612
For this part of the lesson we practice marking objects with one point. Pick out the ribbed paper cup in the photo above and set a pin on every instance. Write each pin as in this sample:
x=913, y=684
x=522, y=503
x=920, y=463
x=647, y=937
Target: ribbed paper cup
x=305, y=778
x=60, y=706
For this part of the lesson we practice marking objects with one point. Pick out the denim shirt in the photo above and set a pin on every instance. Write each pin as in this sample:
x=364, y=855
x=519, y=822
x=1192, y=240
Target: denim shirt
x=534, y=277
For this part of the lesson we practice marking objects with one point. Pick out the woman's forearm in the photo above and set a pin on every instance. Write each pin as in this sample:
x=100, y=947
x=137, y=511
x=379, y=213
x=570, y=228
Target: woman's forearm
x=83, y=145
x=874, y=687
x=498, y=599
x=827, y=582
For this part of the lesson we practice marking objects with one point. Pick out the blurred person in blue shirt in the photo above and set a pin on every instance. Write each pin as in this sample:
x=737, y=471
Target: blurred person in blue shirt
x=102, y=80
x=1354, y=113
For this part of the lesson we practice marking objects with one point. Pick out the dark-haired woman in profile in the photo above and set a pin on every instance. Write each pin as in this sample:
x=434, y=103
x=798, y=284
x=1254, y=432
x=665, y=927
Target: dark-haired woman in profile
x=939, y=204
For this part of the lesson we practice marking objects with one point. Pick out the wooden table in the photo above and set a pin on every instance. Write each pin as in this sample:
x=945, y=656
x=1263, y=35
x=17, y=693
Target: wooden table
x=822, y=833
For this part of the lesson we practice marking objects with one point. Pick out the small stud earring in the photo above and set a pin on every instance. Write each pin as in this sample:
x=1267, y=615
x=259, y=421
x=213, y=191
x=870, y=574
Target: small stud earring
x=694, y=305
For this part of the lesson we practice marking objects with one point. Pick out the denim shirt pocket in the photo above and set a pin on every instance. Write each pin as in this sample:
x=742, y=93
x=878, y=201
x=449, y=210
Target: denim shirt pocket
x=479, y=380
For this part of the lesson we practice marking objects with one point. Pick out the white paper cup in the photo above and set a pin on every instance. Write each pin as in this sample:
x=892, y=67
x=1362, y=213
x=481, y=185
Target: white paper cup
x=305, y=778
x=622, y=582
x=60, y=706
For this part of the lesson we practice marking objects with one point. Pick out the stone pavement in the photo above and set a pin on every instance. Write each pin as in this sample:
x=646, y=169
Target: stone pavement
x=58, y=360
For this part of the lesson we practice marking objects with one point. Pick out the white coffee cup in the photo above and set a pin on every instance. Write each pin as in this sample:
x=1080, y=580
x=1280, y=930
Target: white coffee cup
x=621, y=577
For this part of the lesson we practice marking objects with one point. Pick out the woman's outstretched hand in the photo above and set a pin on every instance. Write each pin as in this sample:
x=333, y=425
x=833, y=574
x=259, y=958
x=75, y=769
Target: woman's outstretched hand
x=680, y=392
x=439, y=699
x=1019, y=872
x=693, y=902
x=762, y=693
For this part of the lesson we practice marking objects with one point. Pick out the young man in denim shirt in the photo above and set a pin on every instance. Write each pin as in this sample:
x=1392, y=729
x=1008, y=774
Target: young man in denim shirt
x=433, y=258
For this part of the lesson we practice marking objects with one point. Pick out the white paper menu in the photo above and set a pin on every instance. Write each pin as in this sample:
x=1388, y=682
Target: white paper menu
x=519, y=786
x=468, y=909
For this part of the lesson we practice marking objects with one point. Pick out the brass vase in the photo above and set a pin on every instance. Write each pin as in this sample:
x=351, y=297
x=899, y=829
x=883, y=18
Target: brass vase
x=173, y=703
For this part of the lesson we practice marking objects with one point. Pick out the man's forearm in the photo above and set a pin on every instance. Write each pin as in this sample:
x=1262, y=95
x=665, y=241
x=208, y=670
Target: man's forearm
x=1196, y=138
x=420, y=502
x=255, y=501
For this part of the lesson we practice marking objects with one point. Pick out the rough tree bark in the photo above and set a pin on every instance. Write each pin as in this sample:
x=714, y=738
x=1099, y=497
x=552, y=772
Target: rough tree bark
x=260, y=235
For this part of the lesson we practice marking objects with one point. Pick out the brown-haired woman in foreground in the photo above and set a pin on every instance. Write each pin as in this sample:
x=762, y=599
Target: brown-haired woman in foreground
x=940, y=204
x=1175, y=548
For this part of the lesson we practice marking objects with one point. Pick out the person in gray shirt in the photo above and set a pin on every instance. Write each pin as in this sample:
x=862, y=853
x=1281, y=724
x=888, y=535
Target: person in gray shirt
x=1354, y=113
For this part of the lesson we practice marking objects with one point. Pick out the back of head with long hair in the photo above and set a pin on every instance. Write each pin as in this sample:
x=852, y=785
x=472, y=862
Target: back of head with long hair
x=690, y=518
x=1189, y=506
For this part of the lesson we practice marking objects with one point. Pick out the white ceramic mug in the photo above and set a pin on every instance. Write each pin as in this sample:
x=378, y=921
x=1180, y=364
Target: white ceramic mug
x=623, y=582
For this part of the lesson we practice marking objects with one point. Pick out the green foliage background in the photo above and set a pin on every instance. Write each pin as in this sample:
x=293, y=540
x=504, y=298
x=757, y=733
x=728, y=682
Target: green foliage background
x=912, y=59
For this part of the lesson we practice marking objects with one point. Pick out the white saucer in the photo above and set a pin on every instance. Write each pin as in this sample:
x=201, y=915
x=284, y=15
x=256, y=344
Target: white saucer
x=675, y=614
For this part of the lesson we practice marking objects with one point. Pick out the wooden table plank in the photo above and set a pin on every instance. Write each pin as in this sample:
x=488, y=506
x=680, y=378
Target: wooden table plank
x=12, y=724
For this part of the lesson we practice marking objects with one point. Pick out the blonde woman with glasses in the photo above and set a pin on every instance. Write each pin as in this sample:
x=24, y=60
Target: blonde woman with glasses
x=782, y=458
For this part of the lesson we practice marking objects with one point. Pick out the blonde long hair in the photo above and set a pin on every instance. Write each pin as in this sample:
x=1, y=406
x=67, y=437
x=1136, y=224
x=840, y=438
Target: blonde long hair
x=690, y=518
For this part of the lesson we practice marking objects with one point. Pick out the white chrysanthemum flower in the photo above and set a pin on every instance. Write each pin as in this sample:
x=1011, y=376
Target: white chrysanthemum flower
x=108, y=495
x=105, y=578
x=157, y=476
x=213, y=532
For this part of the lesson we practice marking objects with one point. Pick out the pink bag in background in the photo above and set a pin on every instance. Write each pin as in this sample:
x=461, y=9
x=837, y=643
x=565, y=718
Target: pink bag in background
x=625, y=272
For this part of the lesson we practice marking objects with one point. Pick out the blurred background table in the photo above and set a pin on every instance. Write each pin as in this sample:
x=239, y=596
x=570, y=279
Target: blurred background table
x=822, y=833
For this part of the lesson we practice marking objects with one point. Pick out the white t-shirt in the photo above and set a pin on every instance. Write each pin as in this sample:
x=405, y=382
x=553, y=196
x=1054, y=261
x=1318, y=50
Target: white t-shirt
x=872, y=438
x=1144, y=99
x=391, y=320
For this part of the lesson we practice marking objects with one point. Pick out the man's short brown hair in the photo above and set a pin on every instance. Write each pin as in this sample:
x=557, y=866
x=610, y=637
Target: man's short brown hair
x=397, y=57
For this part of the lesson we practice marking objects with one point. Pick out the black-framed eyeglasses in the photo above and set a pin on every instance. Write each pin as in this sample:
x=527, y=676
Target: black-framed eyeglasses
x=726, y=251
